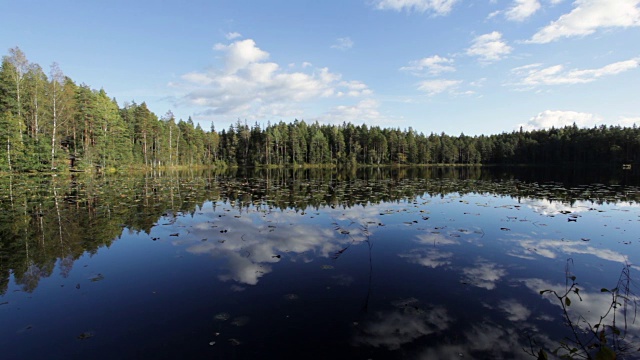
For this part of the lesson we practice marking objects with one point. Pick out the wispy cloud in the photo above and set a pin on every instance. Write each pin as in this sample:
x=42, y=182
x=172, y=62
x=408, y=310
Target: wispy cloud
x=489, y=47
x=536, y=74
x=233, y=35
x=344, y=43
x=433, y=87
x=440, y=7
x=588, y=16
x=522, y=9
x=433, y=65
x=366, y=110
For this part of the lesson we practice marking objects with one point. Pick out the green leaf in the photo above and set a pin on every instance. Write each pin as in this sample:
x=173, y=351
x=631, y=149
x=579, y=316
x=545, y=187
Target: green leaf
x=567, y=301
x=605, y=353
x=542, y=355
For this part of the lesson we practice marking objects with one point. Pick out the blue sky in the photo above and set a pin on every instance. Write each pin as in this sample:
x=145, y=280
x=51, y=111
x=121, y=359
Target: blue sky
x=472, y=66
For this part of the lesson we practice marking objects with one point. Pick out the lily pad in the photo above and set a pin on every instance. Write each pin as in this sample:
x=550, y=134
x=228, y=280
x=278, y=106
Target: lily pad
x=223, y=316
x=85, y=335
x=240, y=321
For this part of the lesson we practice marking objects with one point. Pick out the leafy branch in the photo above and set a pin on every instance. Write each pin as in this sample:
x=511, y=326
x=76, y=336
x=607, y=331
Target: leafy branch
x=604, y=340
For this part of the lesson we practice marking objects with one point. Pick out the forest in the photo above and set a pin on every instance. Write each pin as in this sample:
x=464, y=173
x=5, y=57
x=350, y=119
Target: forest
x=48, y=122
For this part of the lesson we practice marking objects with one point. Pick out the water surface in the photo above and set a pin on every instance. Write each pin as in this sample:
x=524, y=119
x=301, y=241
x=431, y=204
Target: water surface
x=380, y=263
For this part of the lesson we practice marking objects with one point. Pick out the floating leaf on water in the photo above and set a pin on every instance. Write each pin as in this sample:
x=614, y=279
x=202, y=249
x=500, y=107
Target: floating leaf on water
x=240, y=321
x=327, y=267
x=174, y=234
x=223, y=316
x=97, y=278
x=26, y=328
x=85, y=335
x=212, y=343
x=405, y=302
x=234, y=342
x=505, y=229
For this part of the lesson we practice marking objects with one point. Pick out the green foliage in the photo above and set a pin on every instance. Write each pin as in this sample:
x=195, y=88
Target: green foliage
x=600, y=341
x=48, y=122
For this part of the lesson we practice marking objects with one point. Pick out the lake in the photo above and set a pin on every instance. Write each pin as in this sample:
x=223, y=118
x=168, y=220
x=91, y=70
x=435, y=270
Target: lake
x=378, y=263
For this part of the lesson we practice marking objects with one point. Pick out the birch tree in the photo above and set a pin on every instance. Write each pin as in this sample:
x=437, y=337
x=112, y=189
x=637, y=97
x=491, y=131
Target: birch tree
x=57, y=80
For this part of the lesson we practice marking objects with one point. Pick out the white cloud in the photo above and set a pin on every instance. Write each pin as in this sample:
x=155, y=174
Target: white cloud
x=365, y=111
x=628, y=121
x=344, y=43
x=559, y=118
x=354, y=88
x=250, y=86
x=233, y=35
x=440, y=7
x=197, y=78
x=489, y=47
x=522, y=9
x=241, y=53
x=433, y=87
x=588, y=16
x=433, y=65
x=534, y=74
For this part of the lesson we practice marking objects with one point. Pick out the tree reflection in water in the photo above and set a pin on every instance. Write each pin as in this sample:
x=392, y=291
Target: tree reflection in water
x=440, y=262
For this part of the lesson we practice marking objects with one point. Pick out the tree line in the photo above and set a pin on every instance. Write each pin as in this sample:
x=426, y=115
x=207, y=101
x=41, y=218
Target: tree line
x=48, y=122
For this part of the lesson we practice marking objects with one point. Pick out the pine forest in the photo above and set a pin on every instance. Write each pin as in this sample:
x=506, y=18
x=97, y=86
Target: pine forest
x=48, y=122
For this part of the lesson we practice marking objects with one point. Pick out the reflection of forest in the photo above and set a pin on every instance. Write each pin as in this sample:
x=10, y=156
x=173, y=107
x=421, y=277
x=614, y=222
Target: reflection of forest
x=48, y=219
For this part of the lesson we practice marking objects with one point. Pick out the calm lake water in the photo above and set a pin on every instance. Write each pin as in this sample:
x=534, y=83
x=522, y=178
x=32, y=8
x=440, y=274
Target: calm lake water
x=426, y=263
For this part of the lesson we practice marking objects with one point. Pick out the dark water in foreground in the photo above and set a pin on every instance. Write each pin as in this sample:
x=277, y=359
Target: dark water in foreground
x=378, y=264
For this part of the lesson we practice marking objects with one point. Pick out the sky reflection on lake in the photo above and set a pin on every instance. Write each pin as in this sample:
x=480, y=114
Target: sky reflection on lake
x=231, y=272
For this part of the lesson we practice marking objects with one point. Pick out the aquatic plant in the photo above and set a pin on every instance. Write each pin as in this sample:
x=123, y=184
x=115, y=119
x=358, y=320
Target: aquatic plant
x=607, y=338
